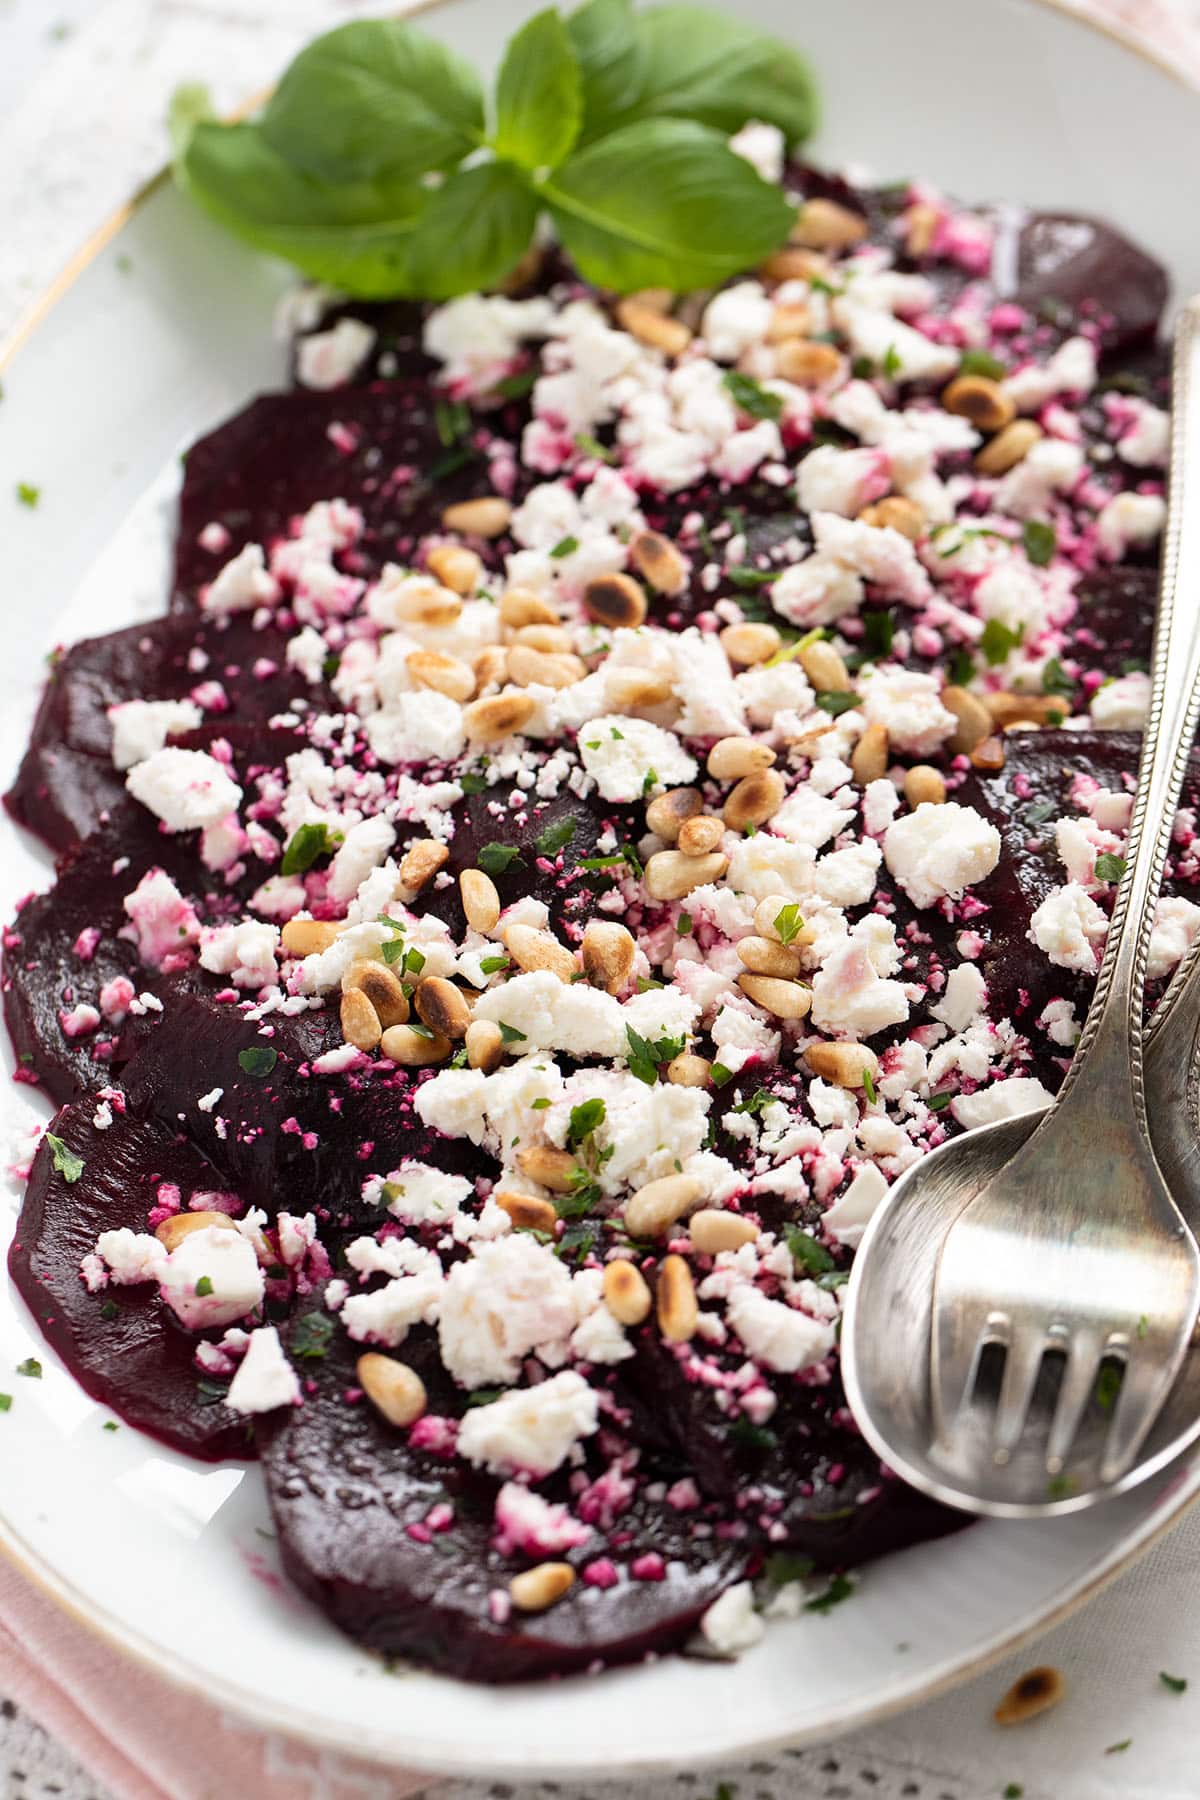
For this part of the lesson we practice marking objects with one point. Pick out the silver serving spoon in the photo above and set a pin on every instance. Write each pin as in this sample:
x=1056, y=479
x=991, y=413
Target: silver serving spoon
x=1023, y=1301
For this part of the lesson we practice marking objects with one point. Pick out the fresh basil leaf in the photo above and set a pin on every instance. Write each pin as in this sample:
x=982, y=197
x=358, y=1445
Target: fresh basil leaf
x=472, y=232
x=696, y=63
x=705, y=214
x=539, y=95
x=354, y=236
x=609, y=56
x=375, y=98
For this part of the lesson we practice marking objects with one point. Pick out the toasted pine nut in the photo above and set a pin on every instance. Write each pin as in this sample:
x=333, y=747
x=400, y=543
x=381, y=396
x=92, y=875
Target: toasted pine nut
x=793, y=264
x=658, y=299
x=1008, y=447
x=688, y=1070
x=394, y=1390
x=1036, y=1692
x=553, y=639
x=625, y=1292
x=755, y=799
x=406, y=1045
x=455, y=567
x=786, y=999
x=869, y=757
x=788, y=321
x=172, y=1231
x=666, y=813
x=634, y=690
x=1024, y=709
x=307, y=937
x=527, y=666
x=824, y=225
x=988, y=755
x=980, y=399
x=608, y=951
x=381, y=987
x=445, y=674
x=750, y=643
x=678, y=1309
x=732, y=757
x=481, y=902
x=843, y=1064
x=491, y=666
x=421, y=862
x=615, y=601
x=766, y=914
x=499, y=716
x=670, y=875
x=655, y=329
x=551, y=1168
x=824, y=667
x=527, y=1211
x=974, y=719
x=485, y=1045
x=536, y=1589
x=658, y=561
x=531, y=949
x=699, y=835
x=360, y=1021
x=808, y=363
x=920, y=228
x=422, y=602
x=487, y=517
x=522, y=606
x=442, y=1007
x=765, y=956
x=713, y=1230
x=895, y=513
x=654, y=1208
x=924, y=785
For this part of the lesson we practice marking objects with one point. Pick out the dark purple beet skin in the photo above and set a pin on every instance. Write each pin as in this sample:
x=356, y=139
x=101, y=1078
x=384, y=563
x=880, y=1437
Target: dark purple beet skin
x=344, y=1487
x=122, y=1344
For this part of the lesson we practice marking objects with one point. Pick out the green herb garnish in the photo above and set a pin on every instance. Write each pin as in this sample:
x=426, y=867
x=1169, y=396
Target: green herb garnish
x=998, y=641
x=66, y=1162
x=807, y=1254
x=1040, y=541
x=750, y=396
x=839, y=1589
x=586, y=1118
x=204, y=1287
x=556, y=835
x=1109, y=867
x=835, y=704
x=789, y=922
x=305, y=845
x=312, y=1336
x=31, y=1367
x=1176, y=1683
x=497, y=859
x=981, y=362
x=27, y=494
x=509, y=1034
x=258, y=1059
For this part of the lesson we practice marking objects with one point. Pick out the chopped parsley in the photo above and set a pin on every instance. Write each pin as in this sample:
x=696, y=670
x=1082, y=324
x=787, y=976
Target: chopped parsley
x=1040, y=812
x=1040, y=541
x=839, y=1589
x=586, y=1118
x=1109, y=867
x=258, y=1059
x=807, y=1254
x=109, y=1311
x=305, y=845
x=492, y=965
x=892, y=363
x=1116, y=1749
x=998, y=641
x=718, y=1074
x=758, y=1099
x=31, y=1366
x=483, y=1396
x=1055, y=679
x=749, y=1436
x=565, y=547
x=789, y=922
x=204, y=1287
x=939, y=1102
x=1176, y=1683
x=683, y=925
x=453, y=421
x=509, y=1034
x=473, y=782
x=5, y=1403
x=750, y=396
x=27, y=494
x=869, y=1089
x=497, y=859
x=66, y=1162
x=515, y=387
x=786, y=1566
x=591, y=446
x=981, y=362
x=312, y=1336
x=742, y=576
x=556, y=835
x=835, y=704
x=960, y=668
x=879, y=631
x=645, y=1057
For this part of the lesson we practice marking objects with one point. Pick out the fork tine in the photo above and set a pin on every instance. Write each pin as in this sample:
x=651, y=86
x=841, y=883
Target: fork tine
x=1021, y=1367
x=958, y=1344
x=1143, y=1391
x=1078, y=1384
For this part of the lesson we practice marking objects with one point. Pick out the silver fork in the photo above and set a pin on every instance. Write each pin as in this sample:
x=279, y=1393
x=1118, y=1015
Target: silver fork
x=1074, y=1248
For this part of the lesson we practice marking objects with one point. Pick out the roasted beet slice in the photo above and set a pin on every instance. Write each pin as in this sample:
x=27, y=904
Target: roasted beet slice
x=1078, y=262
x=67, y=781
x=269, y=464
x=122, y=1344
x=347, y=1491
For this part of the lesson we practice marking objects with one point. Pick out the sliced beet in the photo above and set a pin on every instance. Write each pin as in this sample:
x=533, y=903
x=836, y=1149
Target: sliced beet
x=122, y=1344
x=345, y=1489
x=261, y=469
x=67, y=780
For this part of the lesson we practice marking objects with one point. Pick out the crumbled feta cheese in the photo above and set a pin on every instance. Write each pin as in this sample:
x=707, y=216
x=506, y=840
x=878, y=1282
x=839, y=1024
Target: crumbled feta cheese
x=421, y=1195
x=851, y=1213
x=909, y=705
x=964, y=998
x=1129, y=520
x=735, y=319
x=775, y=1334
x=223, y=1266
x=623, y=755
x=329, y=359
x=530, y=1430
x=512, y=1298
x=1069, y=927
x=1002, y=1100
x=265, y=1378
x=731, y=1624
x=939, y=851
x=140, y=727
x=186, y=789
x=1122, y=704
x=241, y=585
x=131, y=1256
x=1176, y=922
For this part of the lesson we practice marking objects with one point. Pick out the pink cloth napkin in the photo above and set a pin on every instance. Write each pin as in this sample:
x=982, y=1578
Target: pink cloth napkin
x=146, y=1740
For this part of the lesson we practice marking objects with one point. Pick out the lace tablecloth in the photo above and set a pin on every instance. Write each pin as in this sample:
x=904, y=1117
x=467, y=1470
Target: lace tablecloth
x=81, y=93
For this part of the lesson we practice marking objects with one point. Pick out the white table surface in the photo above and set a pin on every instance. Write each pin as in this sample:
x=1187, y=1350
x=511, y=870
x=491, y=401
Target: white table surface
x=83, y=85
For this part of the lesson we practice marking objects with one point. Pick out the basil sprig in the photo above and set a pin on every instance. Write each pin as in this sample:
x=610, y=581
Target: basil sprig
x=378, y=165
